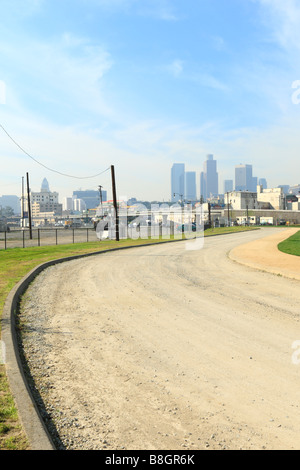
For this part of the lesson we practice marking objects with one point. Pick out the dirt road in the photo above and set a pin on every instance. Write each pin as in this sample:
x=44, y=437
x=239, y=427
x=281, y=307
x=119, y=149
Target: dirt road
x=167, y=348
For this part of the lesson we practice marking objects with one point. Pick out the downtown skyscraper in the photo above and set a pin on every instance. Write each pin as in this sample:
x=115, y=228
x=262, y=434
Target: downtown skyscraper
x=209, y=179
x=190, y=186
x=244, y=181
x=178, y=182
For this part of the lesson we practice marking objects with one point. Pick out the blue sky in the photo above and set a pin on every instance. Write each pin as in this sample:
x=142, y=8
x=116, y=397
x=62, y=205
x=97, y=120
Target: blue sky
x=141, y=84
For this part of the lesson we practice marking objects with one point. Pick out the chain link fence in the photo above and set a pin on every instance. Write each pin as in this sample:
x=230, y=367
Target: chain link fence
x=46, y=237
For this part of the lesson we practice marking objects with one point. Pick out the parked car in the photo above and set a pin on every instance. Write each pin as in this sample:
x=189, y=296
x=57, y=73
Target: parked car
x=187, y=227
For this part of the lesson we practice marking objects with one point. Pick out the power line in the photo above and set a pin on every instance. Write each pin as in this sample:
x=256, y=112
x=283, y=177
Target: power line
x=50, y=169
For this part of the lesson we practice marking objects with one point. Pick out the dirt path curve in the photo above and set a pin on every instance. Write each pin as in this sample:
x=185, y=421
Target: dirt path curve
x=167, y=348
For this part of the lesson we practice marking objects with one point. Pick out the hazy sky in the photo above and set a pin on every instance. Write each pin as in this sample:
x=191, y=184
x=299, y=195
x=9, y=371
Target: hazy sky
x=140, y=84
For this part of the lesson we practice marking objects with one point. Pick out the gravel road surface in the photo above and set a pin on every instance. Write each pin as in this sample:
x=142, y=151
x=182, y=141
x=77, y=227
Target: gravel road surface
x=166, y=348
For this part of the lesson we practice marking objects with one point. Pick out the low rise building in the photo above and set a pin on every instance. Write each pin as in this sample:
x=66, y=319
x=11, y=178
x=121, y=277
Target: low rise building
x=272, y=199
x=241, y=200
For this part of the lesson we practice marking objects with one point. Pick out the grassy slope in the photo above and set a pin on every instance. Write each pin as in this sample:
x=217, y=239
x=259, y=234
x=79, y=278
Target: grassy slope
x=15, y=263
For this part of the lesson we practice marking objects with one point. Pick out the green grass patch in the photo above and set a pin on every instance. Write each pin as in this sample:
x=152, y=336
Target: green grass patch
x=291, y=246
x=15, y=263
x=223, y=230
x=11, y=434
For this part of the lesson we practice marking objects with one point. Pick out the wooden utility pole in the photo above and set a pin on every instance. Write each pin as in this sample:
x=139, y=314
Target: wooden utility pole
x=100, y=193
x=228, y=208
x=115, y=202
x=209, y=214
x=22, y=203
x=29, y=207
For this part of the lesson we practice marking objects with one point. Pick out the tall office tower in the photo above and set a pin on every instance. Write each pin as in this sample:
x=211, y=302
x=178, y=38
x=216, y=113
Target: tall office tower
x=228, y=186
x=243, y=178
x=190, y=186
x=45, y=186
x=209, y=184
x=263, y=182
x=254, y=184
x=202, y=186
x=177, y=182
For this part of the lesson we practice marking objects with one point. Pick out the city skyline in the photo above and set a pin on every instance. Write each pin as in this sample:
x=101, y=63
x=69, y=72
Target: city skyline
x=187, y=189
x=210, y=183
x=96, y=87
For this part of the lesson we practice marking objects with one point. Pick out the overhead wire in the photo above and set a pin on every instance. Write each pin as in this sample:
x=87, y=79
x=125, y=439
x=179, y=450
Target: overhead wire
x=48, y=168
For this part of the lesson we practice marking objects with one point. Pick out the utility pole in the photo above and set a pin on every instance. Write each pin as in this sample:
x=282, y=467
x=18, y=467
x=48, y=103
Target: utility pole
x=100, y=191
x=228, y=208
x=22, y=203
x=29, y=207
x=115, y=201
x=209, y=214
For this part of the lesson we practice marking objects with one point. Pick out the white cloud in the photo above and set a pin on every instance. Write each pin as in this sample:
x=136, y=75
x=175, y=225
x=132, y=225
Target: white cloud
x=176, y=67
x=283, y=17
x=196, y=75
x=67, y=73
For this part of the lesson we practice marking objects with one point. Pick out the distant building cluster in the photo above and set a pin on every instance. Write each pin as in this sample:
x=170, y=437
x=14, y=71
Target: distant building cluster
x=243, y=193
x=184, y=185
x=46, y=208
x=84, y=200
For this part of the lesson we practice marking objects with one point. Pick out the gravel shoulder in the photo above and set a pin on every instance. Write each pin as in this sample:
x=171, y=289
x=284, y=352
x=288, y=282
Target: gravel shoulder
x=166, y=348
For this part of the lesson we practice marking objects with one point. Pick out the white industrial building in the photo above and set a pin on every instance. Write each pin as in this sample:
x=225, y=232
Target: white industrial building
x=262, y=199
